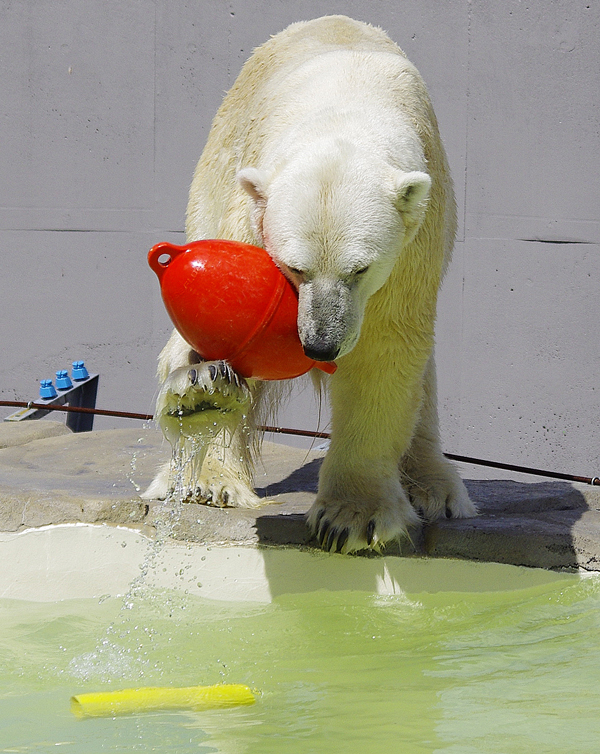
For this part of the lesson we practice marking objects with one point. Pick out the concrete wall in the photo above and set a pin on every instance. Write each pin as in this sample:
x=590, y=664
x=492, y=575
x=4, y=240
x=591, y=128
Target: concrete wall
x=106, y=106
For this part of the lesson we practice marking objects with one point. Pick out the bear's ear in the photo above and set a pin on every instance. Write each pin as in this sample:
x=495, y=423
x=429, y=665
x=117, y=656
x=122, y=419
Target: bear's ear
x=254, y=181
x=411, y=194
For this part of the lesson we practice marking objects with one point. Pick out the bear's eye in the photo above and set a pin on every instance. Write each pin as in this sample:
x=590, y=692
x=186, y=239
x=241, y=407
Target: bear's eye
x=296, y=272
x=359, y=272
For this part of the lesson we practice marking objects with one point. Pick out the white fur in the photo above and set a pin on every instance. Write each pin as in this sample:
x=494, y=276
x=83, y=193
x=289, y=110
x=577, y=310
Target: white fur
x=326, y=151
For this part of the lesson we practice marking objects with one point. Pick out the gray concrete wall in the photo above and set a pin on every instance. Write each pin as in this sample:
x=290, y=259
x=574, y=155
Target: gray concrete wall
x=105, y=109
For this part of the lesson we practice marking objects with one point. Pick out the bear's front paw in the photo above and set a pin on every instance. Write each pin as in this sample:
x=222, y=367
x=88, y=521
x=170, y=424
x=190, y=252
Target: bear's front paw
x=356, y=524
x=202, y=397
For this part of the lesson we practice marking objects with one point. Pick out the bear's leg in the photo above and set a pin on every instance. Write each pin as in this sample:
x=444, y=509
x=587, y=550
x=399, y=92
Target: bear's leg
x=203, y=409
x=434, y=486
x=361, y=502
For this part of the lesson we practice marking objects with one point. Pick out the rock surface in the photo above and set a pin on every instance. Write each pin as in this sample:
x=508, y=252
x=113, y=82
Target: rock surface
x=50, y=476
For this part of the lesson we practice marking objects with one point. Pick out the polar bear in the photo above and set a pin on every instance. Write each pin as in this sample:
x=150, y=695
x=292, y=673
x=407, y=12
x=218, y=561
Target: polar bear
x=326, y=152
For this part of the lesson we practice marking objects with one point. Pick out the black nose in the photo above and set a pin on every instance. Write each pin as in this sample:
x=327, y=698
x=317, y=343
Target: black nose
x=321, y=353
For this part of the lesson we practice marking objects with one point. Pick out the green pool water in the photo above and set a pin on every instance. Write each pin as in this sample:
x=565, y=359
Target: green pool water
x=480, y=670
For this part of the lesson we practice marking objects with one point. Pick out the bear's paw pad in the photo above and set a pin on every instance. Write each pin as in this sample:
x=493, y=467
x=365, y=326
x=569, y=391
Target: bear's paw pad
x=204, y=387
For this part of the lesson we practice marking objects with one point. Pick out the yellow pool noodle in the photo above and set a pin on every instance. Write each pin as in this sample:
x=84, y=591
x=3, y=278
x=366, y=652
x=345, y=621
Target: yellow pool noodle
x=131, y=701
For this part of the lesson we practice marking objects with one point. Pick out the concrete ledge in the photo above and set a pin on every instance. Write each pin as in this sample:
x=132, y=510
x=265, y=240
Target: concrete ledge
x=20, y=433
x=50, y=476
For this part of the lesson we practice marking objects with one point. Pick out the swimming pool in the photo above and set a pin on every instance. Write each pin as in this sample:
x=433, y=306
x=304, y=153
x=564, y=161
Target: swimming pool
x=347, y=654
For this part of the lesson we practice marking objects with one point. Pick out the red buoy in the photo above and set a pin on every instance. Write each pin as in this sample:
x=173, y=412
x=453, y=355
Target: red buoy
x=230, y=301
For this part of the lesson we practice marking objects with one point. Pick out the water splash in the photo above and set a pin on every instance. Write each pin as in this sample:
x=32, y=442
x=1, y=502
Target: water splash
x=137, y=454
x=125, y=649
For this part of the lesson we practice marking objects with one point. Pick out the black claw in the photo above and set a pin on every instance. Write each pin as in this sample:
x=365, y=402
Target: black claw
x=322, y=533
x=317, y=524
x=212, y=370
x=320, y=527
x=320, y=515
x=331, y=539
x=193, y=375
x=448, y=512
x=342, y=539
x=370, y=532
x=225, y=372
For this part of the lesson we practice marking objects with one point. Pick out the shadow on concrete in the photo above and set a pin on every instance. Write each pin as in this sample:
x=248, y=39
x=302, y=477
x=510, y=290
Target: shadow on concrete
x=303, y=479
x=548, y=524
x=505, y=496
x=542, y=524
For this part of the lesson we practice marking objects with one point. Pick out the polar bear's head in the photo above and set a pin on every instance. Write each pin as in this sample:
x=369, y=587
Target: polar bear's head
x=335, y=225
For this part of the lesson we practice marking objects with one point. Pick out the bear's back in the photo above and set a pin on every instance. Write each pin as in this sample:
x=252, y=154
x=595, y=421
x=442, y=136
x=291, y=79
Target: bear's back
x=302, y=42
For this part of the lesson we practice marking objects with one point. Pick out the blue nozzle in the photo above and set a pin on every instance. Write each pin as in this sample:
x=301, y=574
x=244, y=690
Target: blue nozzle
x=47, y=389
x=79, y=371
x=63, y=381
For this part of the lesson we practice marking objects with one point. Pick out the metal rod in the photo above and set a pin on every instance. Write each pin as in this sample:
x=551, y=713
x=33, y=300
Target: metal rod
x=595, y=481
x=524, y=469
x=77, y=409
x=301, y=432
